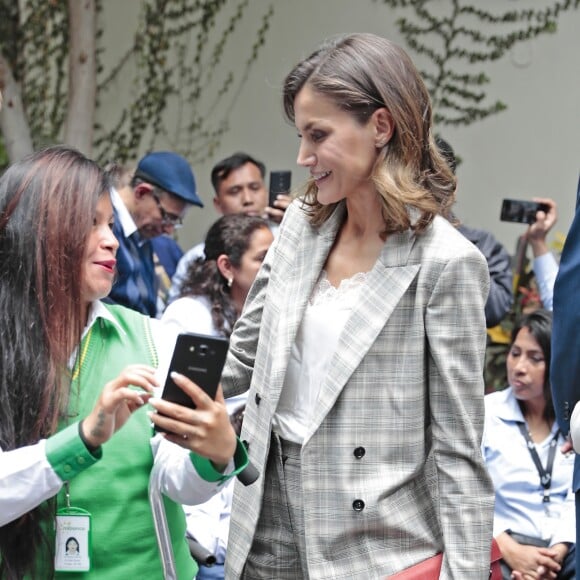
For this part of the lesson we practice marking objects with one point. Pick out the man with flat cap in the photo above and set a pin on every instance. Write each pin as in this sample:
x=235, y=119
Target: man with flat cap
x=161, y=191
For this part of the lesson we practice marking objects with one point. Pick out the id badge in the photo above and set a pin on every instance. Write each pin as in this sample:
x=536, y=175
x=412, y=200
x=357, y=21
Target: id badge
x=73, y=540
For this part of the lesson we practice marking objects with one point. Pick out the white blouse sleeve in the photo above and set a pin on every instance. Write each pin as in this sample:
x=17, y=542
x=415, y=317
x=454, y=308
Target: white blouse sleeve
x=26, y=480
x=180, y=481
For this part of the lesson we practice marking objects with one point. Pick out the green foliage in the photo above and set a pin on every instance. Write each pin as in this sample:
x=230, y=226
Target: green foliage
x=34, y=41
x=179, y=51
x=175, y=63
x=456, y=37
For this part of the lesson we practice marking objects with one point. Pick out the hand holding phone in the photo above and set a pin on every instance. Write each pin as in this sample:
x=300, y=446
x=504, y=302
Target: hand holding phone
x=201, y=359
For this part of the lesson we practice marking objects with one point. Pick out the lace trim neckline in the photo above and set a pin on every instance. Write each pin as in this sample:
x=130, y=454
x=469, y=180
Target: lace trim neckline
x=325, y=292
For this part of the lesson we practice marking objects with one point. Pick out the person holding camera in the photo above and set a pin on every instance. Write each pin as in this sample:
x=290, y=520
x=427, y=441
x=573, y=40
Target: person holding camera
x=500, y=298
x=238, y=181
x=545, y=265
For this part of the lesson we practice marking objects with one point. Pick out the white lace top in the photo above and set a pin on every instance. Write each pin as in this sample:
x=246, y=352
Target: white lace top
x=324, y=318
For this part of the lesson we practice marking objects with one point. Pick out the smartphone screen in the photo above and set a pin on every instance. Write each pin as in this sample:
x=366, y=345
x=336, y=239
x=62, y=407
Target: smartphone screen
x=521, y=211
x=280, y=182
x=200, y=358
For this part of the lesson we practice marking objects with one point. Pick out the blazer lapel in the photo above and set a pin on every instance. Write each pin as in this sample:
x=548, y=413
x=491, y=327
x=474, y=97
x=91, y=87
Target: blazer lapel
x=301, y=276
x=386, y=283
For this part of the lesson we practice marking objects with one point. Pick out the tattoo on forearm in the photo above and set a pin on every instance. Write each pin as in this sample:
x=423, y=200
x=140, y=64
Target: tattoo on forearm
x=97, y=430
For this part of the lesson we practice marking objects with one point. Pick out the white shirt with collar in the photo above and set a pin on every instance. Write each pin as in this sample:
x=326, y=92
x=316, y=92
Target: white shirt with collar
x=125, y=219
x=546, y=269
x=518, y=492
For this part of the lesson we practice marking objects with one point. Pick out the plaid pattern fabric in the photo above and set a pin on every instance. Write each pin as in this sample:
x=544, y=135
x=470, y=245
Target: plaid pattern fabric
x=391, y=466
x=279, y=547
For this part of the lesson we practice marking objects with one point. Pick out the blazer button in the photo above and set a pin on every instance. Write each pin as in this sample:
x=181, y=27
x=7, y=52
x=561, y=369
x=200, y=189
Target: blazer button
x=358, y=505
x=257, y=398
x=359, y=452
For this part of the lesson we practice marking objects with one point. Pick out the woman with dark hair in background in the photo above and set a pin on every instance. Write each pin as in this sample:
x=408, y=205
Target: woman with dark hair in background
x=534, y=522
x=215, y=289
x=74, y=372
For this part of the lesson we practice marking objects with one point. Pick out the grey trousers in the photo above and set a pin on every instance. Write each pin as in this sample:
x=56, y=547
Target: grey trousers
x=279, y=547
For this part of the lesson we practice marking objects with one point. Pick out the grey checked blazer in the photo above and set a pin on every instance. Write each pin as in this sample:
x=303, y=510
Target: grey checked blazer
x=405, y=384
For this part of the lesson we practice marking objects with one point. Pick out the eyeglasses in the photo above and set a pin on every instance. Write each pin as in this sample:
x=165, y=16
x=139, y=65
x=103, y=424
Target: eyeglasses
x=167, y=217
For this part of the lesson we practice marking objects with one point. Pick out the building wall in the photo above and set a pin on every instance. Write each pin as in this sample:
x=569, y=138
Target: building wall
x=532, y=149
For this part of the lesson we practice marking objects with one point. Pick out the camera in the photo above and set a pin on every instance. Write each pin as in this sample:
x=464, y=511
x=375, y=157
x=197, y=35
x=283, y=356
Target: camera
x=521, y=211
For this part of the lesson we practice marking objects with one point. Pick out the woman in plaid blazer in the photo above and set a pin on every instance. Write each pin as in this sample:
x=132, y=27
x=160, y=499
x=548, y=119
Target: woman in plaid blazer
x=362, y=344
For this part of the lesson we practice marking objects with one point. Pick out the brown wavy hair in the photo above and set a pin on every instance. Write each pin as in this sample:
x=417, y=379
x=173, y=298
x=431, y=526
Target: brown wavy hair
x=47, y=206
x=362, y=73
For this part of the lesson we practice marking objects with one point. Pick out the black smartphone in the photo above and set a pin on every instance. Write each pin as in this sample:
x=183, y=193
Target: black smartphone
x=200, y=358
x=521, y=211
x=280, y=182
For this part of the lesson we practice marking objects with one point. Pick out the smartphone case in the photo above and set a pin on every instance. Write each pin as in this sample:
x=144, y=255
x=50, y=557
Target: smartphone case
x=200, y=358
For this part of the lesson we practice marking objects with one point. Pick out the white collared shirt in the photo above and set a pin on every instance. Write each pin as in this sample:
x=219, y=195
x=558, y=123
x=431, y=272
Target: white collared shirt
x=546, y=270
x=125, y=219
x=518, y=492
x=316, y=341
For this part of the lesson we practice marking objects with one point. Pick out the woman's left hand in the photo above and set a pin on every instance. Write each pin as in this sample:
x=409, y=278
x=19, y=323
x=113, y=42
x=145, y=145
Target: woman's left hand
x=205, y=430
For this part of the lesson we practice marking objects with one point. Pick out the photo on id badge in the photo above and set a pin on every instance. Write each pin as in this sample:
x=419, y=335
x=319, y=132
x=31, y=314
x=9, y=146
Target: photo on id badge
x=72, y=542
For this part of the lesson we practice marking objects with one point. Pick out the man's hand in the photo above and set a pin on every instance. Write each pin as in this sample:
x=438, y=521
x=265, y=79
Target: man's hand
x=538, y=231
x=276, y=213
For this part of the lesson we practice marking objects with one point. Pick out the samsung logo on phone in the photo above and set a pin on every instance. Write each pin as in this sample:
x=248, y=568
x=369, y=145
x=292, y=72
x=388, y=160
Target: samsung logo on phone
x=197, y=369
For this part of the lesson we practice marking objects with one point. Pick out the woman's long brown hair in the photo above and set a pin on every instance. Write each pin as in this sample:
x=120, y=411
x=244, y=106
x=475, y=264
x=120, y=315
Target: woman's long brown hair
x=47, y=207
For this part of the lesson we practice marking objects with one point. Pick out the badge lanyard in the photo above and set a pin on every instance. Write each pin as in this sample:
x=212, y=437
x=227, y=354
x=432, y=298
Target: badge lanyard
x=545, y=474
x=73, y=538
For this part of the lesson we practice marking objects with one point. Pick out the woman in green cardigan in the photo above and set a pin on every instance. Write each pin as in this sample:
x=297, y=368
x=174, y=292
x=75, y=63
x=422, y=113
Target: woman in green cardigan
x=74, y=372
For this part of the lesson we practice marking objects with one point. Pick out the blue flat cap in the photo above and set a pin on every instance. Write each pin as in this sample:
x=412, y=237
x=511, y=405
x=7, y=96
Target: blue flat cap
x=171, y=172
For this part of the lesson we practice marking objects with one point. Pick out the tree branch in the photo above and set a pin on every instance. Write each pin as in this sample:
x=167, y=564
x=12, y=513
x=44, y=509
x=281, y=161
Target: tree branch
x=13, y=121
x=82, y=82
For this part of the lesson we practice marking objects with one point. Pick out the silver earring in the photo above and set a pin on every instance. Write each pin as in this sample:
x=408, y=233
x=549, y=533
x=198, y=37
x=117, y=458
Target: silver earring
x=230, y=282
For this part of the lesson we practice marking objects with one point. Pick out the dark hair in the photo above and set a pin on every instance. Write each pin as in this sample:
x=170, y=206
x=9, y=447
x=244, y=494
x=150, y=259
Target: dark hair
x=539, y=324
x=447, y=152
x=362, y=73
x=230, y=235
x=47, y=206
x=74, y=540
x=222, y=169
x=119, y=175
